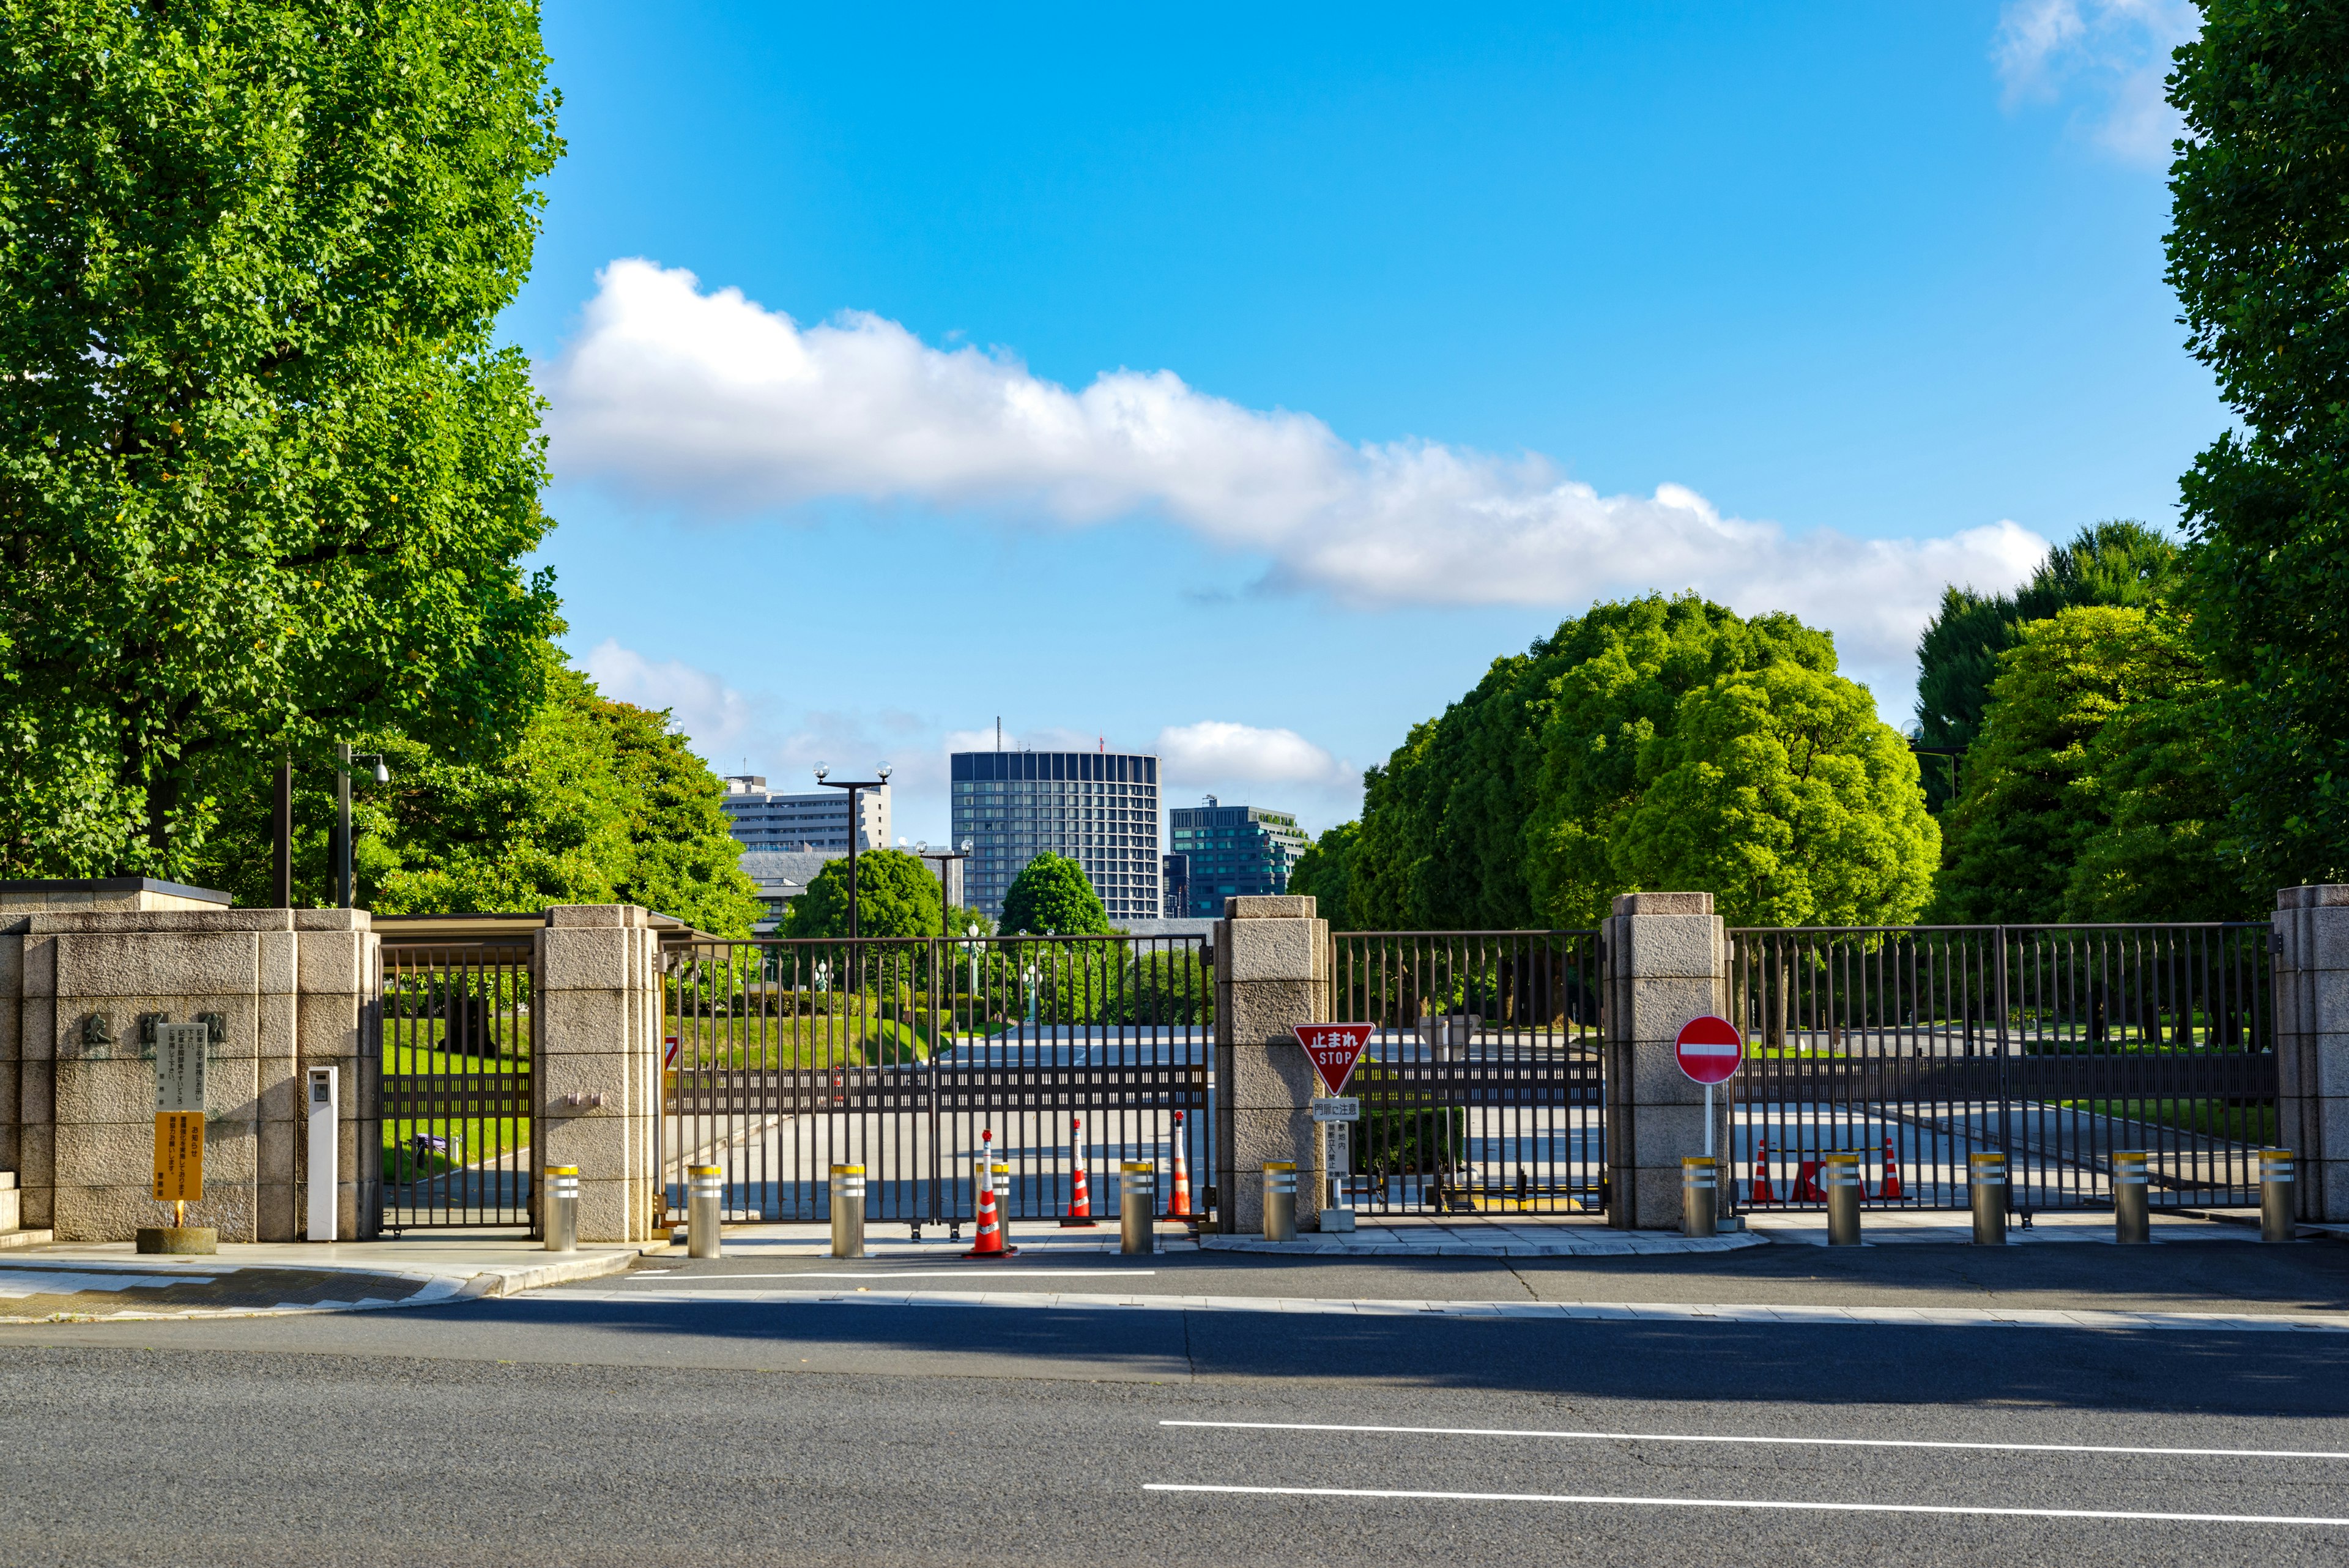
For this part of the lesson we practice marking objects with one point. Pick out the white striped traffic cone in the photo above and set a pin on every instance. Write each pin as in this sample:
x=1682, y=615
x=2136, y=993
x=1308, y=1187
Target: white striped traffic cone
x=1081, y=1197
x=1178, y=1202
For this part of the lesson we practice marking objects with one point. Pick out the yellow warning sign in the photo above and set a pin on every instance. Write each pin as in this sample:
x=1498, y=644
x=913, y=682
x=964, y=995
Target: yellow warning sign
x=179, y=1156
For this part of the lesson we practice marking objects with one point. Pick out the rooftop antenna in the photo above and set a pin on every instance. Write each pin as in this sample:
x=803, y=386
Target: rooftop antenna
x=998, y=731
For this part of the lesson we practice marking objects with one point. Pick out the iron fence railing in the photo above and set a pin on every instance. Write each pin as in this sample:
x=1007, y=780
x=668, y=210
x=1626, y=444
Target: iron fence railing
x=454, y=1094
x=2055, y=1044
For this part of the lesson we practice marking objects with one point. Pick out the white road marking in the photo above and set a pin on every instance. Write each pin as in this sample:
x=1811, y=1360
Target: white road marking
x=1795, y=1442
x=1773, y=1504
x=914, y=1273
x=66, y=1283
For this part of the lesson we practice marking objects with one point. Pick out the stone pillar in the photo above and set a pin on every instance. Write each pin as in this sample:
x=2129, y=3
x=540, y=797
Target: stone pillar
x=338, y=1022
x=1667, y=963
x=1272, y=972
x=597, y=1075
x=2312, y=1022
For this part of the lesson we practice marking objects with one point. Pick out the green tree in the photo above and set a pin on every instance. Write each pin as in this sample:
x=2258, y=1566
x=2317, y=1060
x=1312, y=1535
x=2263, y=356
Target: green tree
x=2163, y=851
x=1324, y=871
x=896, y=896
x=1782, y=793
x=1052, y=896
x=683, y=858
x=2076, y=733
x=2115, y=563
x=265, y=478
x=2258, y=247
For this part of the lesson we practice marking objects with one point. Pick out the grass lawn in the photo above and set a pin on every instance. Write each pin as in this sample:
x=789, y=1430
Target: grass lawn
x=2211, y=1118
x=818, y=1040
x=471, y=1139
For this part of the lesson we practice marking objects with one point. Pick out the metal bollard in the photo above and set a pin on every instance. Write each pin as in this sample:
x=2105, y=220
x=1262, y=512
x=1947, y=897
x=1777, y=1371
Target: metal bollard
x=1986, y=1190
x=848, y=1211
x=2132, y=1220
x=2278, y=1214
x=1700, y=1176
x=1280, y=1201
x=703, y=1195
x=562, y=1211
x=1137, y=1195
x=1839, y=1174
x=1001, y=1176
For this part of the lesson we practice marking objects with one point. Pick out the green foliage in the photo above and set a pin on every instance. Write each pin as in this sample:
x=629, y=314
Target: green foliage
x=2089, y=794
x=265, y=478
x=1169, y=988
x=896, y=896
x=2115, y=563
x=1780, y=791
x=1324, y=872
x=2258, y=247
x=1052, y=896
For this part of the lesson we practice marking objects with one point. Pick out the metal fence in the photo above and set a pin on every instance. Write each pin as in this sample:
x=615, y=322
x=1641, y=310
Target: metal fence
x=454, y=1098
x=1480, y=1086
x=2055, y=1044
x=784, y=1058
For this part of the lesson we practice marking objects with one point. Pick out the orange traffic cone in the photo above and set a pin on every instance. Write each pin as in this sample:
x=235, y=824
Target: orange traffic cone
x=1806, y=1182
x=1081, y=1197
x=1763, y=1192
x=988, y=1241
x=1178, y=1202
x=1891, y=1186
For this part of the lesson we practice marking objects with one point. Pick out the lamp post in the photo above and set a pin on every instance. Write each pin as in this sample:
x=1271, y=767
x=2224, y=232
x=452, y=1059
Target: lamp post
x=346, y=880
x=946, y=909
x=854, y=787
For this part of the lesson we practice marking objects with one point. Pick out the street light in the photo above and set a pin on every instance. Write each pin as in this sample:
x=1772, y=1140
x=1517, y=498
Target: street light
x=854, y=787
x=346, y=879
x=945, y=911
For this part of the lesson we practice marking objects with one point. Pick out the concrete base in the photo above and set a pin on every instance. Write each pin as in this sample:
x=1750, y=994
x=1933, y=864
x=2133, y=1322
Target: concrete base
x=179, y=1240
x=1337, y=1222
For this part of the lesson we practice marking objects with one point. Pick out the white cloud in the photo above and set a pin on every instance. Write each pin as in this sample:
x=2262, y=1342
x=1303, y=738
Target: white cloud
x=713, y=716
x=2112, y=55
x=1216, y=752
x=709, y=399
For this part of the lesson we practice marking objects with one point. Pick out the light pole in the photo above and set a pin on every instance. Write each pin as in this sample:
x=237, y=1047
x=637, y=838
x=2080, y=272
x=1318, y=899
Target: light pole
x=946, y=909
x=346, y=880
x=854, y=787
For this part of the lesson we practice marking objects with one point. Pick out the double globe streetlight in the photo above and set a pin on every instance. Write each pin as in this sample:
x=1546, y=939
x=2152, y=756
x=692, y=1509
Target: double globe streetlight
x=854, y=787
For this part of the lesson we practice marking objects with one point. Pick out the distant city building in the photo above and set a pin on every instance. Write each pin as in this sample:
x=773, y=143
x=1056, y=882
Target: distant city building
x=1233, y=849
x=763, y=819
x=782, y=876
x=1098, y=808
x=1174, y=884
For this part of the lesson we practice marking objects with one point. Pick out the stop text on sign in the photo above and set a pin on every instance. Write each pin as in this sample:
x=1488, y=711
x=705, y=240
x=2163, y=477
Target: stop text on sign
x=1335, y=1048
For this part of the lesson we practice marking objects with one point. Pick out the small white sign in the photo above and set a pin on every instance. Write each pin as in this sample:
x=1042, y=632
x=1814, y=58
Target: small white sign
x=179, y=1066
x=1344, y=1108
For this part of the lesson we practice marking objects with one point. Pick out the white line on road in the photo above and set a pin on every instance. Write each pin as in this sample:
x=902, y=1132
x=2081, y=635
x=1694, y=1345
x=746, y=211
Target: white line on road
x=1755, y=1502
x=906, y=1274
x=1795, y=1442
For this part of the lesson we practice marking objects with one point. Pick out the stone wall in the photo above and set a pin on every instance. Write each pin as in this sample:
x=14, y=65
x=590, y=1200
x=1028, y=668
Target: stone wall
x=1272, y=973
x=1666, y=964
x=2311, y=930
x=598, y=1079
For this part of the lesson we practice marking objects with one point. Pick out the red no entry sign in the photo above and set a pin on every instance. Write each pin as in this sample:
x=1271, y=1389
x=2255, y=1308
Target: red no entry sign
x=1335, y=1048
x=1709, y=1049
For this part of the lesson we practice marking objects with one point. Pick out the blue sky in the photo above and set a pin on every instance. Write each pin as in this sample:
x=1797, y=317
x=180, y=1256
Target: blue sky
x=1237, y=383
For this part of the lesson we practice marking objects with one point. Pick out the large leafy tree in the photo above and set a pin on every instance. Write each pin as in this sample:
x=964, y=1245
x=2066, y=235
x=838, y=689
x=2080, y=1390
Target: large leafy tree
x=2259, y=254
x=2115, y=563
x=1324, y=872
x=1052, y=896
x=896, y=895
x=265, y=477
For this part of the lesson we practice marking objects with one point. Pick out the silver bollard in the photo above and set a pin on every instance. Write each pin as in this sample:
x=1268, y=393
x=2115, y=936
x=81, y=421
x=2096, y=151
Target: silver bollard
x=1280, y=1201
x=1986, y=1191
x=1137, y=1204
x=1839, y=1174
x=848, y=1211
x=1699, y=1177
x=2132, y=1215
x=562, y=1210
x=1001, y=1176
x=2279, y=1213
x=703, y=1195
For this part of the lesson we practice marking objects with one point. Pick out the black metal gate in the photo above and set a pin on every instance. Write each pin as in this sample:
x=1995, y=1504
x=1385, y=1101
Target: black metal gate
x=1480, y=1086
x=2058, y=1045
x=454, y=1098
x=909, y=1057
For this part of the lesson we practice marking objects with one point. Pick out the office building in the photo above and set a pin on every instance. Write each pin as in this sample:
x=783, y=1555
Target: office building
x=782, y=876
x=1098, y=808
x=1233, y=849
x=818, y=822
x=1174, y=884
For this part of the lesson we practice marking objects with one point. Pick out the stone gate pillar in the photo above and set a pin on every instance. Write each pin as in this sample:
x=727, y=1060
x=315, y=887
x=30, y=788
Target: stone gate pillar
x=1667, y=963
x=1272, y=973
x=2312, y=1022
x=597, y=1079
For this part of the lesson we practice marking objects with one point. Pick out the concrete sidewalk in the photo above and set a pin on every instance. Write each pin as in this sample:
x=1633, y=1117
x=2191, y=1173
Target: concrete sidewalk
x=1896, y=1227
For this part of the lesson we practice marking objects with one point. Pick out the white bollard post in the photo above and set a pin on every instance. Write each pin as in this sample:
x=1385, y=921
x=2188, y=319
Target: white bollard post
x=325, y=1153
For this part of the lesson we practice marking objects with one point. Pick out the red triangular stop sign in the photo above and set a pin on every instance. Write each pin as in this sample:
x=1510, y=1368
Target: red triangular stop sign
x=1335, y=1048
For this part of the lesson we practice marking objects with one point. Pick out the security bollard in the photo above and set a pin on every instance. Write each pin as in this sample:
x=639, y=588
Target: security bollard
x=1280, y=1201
x=1839, y=1174
x=562, y=1212
x=1001, y=1176
x=1986, y=1190
x=2279, y=1215
x=848, y=1211
x=703, y=1195
x=2132, y=1221
x=1137, y=1207
x=1700, y=1176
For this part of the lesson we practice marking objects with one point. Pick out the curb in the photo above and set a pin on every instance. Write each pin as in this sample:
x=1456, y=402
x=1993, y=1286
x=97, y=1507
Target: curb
x=514, y=1281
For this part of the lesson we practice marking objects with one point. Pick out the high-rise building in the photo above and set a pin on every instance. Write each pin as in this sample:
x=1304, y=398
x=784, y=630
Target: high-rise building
x=1233, y=849
x=763, y=819
x=1098, y=808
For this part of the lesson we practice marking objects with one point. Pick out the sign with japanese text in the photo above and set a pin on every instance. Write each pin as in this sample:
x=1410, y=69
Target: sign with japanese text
x=1335, y=1048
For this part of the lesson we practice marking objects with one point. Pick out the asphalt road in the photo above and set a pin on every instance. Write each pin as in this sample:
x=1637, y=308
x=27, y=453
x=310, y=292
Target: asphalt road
x=568, y=1428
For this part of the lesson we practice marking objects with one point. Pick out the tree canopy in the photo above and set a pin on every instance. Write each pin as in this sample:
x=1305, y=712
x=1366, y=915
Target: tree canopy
x=2258, y=247
x=1324, y=871
x=896, y=895
x=265, y=477
x=1052, y=896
